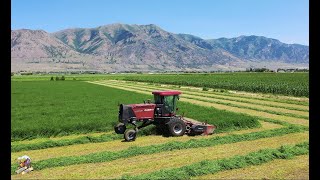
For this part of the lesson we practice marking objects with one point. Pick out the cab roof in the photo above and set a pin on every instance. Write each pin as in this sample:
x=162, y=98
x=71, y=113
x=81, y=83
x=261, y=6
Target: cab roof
x=166, y=93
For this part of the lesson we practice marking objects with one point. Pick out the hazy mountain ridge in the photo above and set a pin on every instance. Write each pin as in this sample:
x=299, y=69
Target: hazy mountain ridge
x=262, y=48
x=145, y=47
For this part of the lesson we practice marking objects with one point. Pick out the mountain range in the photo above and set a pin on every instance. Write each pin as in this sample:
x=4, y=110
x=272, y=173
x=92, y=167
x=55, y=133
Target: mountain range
x=123, y=47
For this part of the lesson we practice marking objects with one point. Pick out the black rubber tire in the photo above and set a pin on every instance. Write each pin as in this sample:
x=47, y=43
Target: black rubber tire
x=176, y=127
x=120, y=128
x=161, y=129
x=130, y=135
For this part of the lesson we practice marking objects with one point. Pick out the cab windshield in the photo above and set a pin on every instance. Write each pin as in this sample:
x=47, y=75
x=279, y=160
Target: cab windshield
x=169, y=102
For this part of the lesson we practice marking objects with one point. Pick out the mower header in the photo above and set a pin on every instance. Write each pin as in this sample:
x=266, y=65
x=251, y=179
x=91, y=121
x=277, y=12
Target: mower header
x=166, y=93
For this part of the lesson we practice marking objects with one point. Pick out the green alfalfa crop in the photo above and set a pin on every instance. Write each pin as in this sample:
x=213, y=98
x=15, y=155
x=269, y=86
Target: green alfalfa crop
x=46, y=109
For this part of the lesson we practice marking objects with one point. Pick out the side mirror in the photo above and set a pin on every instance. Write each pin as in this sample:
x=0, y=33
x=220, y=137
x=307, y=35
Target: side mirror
x=144, y=101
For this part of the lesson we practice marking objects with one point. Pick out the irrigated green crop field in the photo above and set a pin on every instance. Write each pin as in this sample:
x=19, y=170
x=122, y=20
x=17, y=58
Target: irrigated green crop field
x=66, y=127
x=294, y=84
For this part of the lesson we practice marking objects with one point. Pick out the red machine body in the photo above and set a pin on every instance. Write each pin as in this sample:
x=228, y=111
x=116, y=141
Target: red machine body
x=143, y=111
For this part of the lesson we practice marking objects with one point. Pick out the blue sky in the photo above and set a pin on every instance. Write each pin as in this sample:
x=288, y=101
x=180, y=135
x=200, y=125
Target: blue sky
x=286, y=20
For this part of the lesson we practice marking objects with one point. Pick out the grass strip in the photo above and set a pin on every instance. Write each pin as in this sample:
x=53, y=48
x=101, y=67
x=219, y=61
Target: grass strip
x=135, y=150
x=235, y=162
x=65, y=142
x=72, y=136
x=283, y=123
x=295, y=168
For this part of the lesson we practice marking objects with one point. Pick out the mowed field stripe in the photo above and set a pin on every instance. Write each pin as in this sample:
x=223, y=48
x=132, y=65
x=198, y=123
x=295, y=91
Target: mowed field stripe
x=251, y=112
x=242, y=94
x=202, y=96
x=223, y=107
x=118, y=145
x=226, y=96
x=169, y=159
x=296, y=168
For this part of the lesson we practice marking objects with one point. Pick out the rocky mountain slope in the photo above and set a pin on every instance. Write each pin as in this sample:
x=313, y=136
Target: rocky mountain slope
x=143, y=47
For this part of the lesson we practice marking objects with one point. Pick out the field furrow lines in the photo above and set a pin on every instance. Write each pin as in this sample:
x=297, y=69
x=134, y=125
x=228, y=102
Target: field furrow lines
x=227, y=96
x=203, y=96
x=171, y=159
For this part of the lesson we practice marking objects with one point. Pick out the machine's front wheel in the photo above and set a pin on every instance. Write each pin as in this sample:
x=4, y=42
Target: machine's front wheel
x=177, y=127
x=130, y=135
x=120, y=128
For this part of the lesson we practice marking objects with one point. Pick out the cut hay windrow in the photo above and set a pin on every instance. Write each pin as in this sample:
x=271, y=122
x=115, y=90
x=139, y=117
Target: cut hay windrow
x=254, y=113
x=134, y=151
x=225, y=96
x=225, y=107
x=177, y=158
x=282, y=112
x=118, y=145
x=66, y=137
x=236, y=162
x=64, y=142
x=265, y=108
x=295, y=168
x=283, y=123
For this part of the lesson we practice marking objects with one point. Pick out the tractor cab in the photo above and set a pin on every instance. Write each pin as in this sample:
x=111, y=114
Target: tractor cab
x=166, y=102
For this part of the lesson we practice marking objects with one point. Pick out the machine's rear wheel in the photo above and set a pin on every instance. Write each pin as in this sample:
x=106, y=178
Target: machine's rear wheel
x=130, y=135
x=120, y=128
x=176, y=127
x=161, y=129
